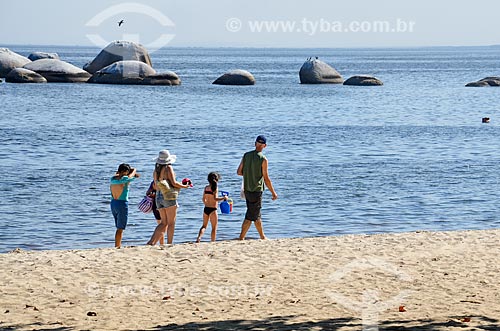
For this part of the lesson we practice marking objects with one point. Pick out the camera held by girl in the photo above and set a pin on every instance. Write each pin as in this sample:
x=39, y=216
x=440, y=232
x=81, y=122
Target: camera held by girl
x=210, y=200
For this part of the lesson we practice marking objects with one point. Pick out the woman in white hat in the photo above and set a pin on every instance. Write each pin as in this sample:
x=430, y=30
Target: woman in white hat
x=166, y=196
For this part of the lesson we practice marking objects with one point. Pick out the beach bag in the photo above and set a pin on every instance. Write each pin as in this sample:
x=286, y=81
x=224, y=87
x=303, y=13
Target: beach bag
x=146, y=205
x=168, y=191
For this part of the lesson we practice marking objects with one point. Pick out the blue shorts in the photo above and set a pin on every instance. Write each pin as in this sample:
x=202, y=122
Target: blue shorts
x=119, y=208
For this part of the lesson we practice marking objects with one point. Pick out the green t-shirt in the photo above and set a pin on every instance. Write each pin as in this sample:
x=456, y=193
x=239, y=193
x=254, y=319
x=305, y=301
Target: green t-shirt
x=252, y=171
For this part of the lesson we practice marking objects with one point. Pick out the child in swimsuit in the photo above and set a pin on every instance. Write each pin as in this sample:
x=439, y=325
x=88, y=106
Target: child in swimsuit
x=210, y=200
x=119, y=187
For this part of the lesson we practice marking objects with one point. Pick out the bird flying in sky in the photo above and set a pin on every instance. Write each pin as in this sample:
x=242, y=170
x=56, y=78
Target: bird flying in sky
x=120, y=23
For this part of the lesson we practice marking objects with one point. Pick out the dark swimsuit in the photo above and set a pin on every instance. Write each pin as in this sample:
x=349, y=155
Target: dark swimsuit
x=208, y=210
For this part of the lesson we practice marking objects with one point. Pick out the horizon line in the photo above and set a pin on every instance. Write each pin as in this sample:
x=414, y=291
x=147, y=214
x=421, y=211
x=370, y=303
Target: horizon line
x=266, y=47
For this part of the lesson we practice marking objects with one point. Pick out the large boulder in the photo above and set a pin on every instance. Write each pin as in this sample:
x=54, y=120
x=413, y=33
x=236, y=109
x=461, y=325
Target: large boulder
x=133, y=73
x=118, y=51
x=236, y=77
x=10, y=60
x=43, y=55
x=22, y=75
x=487, y=81
x=363, y=80
x=315, y=71
x=57, y=71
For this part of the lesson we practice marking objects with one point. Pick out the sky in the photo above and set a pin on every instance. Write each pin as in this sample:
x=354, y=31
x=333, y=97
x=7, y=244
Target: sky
x=256, y=23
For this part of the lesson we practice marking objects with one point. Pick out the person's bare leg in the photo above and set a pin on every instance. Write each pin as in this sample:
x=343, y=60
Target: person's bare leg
x=214, y=218
x=260, y=229
x=159, y=232
x=244, y=229
x=162, y=238
x=118, y=238
x=171, y=215
x=203, y=228
x=160, y=229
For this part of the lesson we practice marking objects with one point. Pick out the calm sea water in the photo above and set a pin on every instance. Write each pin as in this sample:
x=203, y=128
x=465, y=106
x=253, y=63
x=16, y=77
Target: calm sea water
x=410, y=155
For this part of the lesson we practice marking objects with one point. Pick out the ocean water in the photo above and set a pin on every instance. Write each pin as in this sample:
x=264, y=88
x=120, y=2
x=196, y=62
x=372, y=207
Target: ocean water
x=410, y=155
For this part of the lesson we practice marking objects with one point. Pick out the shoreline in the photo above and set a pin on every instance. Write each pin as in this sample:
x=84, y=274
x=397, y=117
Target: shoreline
x=439, y=280
x=130, y=243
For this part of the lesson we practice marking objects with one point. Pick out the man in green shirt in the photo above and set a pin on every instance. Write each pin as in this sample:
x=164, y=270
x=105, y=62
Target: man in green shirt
x=253, y=168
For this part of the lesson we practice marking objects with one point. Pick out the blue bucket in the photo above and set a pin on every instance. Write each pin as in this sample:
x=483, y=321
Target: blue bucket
x=225, y=208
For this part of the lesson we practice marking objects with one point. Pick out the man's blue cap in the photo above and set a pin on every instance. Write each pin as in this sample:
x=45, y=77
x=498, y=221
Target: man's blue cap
x=261, y=139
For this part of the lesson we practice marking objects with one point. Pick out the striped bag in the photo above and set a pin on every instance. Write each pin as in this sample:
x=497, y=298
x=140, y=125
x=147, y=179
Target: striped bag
x=146, y=205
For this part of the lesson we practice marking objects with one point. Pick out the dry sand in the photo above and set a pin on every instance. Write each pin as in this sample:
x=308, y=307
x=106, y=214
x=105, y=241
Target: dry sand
x=444, y=280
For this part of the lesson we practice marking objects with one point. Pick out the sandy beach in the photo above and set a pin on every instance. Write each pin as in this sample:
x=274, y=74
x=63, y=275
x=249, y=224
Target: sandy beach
x=406, y=281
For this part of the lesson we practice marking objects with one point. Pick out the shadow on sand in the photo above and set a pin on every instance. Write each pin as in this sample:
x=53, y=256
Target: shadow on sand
x=286, y=323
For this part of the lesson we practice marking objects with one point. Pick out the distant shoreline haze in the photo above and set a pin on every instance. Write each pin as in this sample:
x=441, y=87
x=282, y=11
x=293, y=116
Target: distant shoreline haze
x=423, y=47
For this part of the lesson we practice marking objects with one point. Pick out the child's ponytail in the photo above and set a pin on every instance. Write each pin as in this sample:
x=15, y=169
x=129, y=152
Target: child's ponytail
x=213, y=177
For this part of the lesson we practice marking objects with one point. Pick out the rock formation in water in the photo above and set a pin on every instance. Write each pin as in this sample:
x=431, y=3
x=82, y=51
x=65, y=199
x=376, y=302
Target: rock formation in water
x=10, y=60
x=118, y=51
x=43, y=55
x=133, y=73
x=163, y=78
x=57, y=71
x=315, y=71
x=236, y=77
x=363, y=80
x=487, y=81
x=22, y=75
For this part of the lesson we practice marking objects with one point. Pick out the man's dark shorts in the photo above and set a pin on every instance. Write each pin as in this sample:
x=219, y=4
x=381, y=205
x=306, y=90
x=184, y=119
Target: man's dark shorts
x=254, y=204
